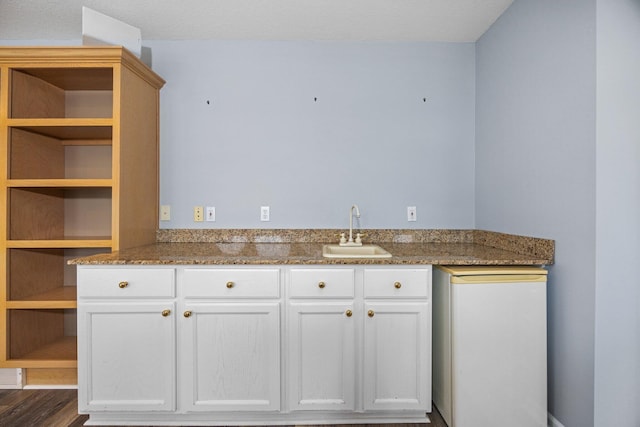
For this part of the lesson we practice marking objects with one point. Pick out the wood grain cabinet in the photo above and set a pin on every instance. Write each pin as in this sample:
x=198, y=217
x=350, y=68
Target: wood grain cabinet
x=79, y=175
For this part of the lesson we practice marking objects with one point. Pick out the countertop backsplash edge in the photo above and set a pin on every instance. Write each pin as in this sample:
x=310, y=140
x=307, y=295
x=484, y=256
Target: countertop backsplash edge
x=525, y=245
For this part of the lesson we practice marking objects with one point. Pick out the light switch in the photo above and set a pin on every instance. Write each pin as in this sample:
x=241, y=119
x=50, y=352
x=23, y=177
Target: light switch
x=211, y=213
x=411, y=213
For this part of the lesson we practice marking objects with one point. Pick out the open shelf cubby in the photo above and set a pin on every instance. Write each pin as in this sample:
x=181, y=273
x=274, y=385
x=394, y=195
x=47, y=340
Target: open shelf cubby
x=79, y=136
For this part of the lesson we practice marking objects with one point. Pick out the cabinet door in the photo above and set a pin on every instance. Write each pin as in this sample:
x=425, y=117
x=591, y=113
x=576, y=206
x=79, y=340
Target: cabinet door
x=127, y=356
x=321, y=356
x=397, y=356
x=230, y=356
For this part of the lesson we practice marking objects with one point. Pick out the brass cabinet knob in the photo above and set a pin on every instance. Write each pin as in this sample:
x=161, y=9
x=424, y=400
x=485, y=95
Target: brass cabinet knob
x=398, y=285
x=321, y=285
x=370, y=313
x=349, y=313
x=230, y=285
x=123, y=285
x=187, y=313
x=165, y=313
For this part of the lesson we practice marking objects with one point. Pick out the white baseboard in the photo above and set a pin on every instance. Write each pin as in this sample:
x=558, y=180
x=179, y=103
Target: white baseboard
x=552, y=422
x=51, y=387
x=10, y=378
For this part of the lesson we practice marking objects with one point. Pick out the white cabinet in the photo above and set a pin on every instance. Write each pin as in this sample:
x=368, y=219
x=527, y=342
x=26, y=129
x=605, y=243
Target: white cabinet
x=322, y=344
x=126, y=344
x=198, y=345
x=397, y=339
x=230, y=340
x=397, y=356
x=321, y=356
x=230, y=357
x=338, y=324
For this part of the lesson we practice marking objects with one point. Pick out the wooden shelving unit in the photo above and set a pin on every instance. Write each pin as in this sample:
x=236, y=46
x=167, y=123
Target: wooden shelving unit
x=78, y=176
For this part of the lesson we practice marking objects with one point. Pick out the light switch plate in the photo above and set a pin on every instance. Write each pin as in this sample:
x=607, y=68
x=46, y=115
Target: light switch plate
x=411, y=213
x=210, y=213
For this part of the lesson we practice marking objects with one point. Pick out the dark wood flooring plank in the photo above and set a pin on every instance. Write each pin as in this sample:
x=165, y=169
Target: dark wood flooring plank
x=38, y=408
x=67, y=415
x=14, y=397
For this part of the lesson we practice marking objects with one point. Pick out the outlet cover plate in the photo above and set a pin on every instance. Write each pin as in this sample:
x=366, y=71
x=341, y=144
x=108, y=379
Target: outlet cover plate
x=165, y=213
x=198, y=213
x=264, y=213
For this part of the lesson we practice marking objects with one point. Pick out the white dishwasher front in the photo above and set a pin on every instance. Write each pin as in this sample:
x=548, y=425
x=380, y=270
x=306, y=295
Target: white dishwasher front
x=490, y=346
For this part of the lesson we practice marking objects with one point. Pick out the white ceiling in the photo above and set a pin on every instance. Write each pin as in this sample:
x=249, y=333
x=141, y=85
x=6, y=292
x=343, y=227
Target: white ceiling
x=393, y=20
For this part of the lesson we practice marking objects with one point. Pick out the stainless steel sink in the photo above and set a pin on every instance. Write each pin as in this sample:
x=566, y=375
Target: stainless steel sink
x=364, y=251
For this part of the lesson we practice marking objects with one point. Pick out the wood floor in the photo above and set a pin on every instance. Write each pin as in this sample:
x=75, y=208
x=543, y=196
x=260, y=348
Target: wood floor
x=58, y=408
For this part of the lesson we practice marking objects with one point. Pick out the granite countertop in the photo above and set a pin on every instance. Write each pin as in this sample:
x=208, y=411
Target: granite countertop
x=260, y=247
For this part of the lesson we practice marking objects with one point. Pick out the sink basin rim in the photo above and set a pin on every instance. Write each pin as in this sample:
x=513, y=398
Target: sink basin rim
x=364, y=251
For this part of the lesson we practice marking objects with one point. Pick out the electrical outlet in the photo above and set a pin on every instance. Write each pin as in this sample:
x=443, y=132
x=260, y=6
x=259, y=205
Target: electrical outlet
x=264, y=213
x=211, y=213
x=198, y=213
x=165, y=213
x=411, y=213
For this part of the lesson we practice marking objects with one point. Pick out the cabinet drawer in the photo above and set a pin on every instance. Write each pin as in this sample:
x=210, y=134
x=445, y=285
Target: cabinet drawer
x=400, y=283
x=321, y=283
x=231, y=283
x=126, y=283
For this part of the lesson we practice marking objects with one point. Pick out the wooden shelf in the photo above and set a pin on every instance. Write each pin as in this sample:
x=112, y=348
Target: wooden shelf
x=68, y=142
x=64, y=297
x=68, y=242
x=66, y=128
x=61, y=353
x=41, y=304
x=60, y=183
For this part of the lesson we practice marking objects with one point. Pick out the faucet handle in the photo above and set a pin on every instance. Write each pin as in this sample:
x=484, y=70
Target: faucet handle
x=359, y=237
x=343, y=239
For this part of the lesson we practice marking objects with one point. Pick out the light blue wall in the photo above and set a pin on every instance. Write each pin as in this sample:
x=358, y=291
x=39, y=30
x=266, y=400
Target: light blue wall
x=617, y=344
x=536, y=170
x=369, y=138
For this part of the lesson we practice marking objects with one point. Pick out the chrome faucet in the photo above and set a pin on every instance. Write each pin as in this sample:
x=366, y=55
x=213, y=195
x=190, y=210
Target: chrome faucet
x=350, y=242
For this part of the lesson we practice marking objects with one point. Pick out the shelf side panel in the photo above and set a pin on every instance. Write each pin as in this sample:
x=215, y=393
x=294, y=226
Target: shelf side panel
x=22, y=324
x=36, y=213
x=34, y=97
x=35, y=156
x=34, y=271
x=138, y=180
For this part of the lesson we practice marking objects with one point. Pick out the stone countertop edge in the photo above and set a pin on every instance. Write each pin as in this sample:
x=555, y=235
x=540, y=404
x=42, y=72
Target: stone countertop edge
x=304, y=247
